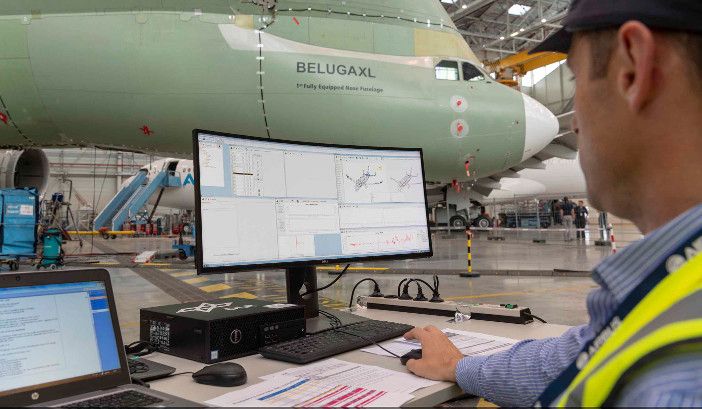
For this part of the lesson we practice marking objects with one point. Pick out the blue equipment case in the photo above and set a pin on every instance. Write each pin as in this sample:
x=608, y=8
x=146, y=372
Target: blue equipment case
x=52, y=252
x=19, y=214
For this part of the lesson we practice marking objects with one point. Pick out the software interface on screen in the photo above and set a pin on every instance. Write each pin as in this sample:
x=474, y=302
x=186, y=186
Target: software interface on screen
x=268, y=202
x=55, y=333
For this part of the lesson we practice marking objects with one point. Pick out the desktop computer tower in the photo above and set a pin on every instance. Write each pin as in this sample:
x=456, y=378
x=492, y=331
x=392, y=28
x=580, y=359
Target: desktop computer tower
x=220, y=330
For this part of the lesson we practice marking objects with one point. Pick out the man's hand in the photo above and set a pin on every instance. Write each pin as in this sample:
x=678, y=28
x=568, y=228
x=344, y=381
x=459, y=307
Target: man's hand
x=439, y=355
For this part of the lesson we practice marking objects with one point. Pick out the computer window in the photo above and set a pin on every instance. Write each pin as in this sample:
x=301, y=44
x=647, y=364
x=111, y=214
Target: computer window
x=55, y=333
x=274, y=202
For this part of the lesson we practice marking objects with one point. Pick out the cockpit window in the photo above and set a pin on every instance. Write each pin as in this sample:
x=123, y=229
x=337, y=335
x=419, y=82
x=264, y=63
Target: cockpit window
x=472, y=73
x=447, y=70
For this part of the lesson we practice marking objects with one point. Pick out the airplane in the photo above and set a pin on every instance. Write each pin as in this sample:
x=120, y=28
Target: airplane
x=405, y=181
x=140, y=75
x=364, y=180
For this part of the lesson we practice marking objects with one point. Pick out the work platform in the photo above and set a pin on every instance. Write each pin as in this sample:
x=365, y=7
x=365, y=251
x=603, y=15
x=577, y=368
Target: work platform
x=133, y=196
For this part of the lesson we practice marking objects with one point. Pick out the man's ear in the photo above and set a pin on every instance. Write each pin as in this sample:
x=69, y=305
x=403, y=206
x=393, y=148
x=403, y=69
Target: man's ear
x=635, y=73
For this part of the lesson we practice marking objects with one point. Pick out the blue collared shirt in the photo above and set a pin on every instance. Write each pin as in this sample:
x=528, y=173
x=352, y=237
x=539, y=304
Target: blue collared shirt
x=518, y=376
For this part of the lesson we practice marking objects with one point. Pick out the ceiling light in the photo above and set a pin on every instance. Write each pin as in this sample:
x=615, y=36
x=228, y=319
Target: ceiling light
x=543, y=20
x=502, y=37
x=514, y=34
x=518, y=9
x=449, y=1
x=465, y=6
x=521, y=30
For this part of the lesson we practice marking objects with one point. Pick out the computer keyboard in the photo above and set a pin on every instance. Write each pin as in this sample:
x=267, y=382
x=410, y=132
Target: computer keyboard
x=334, y=341
x=129, y=399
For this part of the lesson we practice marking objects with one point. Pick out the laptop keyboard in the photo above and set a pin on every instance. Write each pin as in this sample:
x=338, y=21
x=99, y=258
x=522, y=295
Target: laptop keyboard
x=129, y=399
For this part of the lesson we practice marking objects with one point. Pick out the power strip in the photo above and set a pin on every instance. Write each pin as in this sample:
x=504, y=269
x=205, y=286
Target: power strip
x=485, y=312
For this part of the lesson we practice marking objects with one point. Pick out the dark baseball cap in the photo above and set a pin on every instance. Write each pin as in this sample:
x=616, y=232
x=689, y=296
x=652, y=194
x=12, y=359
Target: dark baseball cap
x=587, y=15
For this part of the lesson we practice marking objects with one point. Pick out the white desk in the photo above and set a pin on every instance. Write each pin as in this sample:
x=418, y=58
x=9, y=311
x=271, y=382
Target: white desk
x=256, y=365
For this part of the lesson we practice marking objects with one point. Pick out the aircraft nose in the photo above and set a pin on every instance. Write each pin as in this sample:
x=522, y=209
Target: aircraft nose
x=541, y=127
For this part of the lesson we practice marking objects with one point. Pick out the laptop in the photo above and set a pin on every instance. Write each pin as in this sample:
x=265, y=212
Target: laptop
x=60, y=344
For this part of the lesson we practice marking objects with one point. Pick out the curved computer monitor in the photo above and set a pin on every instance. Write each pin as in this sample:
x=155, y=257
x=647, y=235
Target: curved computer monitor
x=264, y=203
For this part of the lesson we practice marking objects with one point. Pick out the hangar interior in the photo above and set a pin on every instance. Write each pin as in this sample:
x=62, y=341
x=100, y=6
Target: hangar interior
x=497, y=238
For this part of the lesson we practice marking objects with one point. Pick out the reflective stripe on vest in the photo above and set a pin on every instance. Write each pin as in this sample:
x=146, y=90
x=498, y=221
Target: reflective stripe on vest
x=669, y=314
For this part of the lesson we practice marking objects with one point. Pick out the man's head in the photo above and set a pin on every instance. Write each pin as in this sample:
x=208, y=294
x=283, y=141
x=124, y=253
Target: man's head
x=581, y=203
x=629, y=84
x=565, y=199
x=638, y=98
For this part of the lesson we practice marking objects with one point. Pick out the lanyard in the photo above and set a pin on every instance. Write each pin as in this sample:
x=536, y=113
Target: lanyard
x=558, y=386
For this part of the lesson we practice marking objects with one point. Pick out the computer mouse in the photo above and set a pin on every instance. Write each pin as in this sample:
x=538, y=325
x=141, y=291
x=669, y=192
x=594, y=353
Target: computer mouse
x=222, y=374
x=413, y=354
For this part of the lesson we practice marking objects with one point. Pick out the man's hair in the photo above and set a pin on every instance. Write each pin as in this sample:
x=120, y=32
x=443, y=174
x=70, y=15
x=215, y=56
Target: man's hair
x=602, y=43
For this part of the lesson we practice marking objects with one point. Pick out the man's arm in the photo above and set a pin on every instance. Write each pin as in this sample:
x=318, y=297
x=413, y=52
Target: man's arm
x=515, y=377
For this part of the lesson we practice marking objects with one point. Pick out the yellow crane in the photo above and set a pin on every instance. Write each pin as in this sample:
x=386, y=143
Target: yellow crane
x=521, y=63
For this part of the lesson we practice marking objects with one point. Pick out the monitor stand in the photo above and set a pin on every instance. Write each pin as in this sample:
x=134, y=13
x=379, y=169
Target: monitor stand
x=303, y=279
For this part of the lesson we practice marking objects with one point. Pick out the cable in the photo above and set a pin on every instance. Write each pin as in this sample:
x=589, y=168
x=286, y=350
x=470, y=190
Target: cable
x=334, y=327
x=535, y=317
x=356, y=286
x=180, y=373
x=400, y=285
x=140, y=382
x=421, y=281
x=328, y=285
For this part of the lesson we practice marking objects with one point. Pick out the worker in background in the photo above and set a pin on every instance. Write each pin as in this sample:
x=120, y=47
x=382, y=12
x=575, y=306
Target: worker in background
x=557, y=212
x=581, y=214
x=568, y=216
x=638, y=99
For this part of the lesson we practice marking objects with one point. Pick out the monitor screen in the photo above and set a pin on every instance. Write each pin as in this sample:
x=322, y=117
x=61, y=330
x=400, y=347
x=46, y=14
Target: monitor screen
x=54, y=334
x=265, y=202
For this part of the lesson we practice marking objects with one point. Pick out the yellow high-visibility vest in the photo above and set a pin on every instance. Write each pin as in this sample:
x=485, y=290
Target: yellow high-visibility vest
x=666, y=322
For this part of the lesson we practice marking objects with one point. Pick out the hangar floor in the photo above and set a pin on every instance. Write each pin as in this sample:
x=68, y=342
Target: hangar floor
x=552, y=278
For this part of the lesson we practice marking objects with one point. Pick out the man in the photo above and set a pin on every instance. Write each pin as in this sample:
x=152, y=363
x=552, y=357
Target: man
x=568, y=214
x=581, y=214
x=638, y=99
x=557, y=212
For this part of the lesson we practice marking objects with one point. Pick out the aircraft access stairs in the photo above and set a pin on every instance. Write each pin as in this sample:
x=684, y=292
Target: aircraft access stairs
x=132, y=198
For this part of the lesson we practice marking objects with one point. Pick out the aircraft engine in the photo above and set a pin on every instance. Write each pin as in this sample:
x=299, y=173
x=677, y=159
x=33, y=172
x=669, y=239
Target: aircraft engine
x=26, y=168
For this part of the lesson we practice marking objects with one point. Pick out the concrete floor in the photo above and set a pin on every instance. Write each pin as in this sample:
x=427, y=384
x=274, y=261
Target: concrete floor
x=514, y=271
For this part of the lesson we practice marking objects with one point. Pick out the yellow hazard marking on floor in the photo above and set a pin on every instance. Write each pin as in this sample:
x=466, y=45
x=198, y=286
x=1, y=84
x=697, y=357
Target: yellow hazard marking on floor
x=339, y=268
x=105, y=263
x=196, y=280
x=156, y=264
x=247, y=296
x=215, y=287
x=183, y=274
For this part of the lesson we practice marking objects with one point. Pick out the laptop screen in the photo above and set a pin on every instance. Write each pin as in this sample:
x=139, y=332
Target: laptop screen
x=55, y=334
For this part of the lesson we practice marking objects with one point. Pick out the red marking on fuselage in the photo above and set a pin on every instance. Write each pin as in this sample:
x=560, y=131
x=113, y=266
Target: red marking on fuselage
x=146, y=130
x=296, y=21
x=459, y=102
x=460, y=128
x=3, y=118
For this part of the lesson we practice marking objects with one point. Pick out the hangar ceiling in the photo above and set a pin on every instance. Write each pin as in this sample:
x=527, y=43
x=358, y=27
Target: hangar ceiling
x=496, y=29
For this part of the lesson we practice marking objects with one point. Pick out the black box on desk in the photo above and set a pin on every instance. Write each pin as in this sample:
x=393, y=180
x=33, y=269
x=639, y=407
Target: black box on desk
x=219, y=330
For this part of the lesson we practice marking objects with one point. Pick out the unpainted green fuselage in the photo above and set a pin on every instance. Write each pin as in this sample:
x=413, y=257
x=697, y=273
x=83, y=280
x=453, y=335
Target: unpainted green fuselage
x=140, y=75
